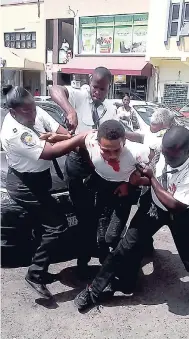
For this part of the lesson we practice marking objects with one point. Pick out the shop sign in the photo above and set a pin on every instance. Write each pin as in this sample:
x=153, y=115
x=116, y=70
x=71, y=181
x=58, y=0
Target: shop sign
x=120, y=79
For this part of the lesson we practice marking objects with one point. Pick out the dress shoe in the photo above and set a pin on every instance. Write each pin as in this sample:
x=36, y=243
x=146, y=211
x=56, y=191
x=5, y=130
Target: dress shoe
x=40, y=288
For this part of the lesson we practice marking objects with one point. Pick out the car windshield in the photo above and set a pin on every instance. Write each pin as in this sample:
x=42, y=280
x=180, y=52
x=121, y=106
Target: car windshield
x=145, y=111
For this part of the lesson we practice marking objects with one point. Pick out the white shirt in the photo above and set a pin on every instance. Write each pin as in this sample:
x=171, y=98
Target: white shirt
x=121, y=114
x=177, y=183
x=131, y=154
x=81, y=100
x=22, y=145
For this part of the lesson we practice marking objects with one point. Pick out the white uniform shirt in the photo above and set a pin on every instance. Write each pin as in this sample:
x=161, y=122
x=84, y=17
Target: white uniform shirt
x=177, y=183
x=22, y=145
x=131, y=154
x=81, y=100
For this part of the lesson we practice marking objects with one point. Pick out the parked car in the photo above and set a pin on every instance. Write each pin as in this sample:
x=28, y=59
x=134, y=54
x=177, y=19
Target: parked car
x=17, y=240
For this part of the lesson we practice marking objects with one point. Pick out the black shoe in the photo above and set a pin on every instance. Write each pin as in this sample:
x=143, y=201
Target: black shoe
x=40, y=288
x=85, y=299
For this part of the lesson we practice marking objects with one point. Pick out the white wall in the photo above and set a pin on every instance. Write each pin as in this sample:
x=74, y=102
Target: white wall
x=60, y=8
x=157, y=26
x=172, y=72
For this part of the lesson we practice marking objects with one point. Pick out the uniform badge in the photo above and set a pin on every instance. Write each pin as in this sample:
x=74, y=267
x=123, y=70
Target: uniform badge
x=14, y=130
x=27, y=139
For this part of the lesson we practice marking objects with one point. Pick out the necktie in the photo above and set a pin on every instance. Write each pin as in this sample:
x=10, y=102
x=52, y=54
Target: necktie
x=55, y=162
x=164, y=176
x=95, y=116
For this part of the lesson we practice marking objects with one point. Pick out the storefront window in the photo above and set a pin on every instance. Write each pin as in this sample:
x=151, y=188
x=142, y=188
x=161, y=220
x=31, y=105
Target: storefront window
x=113, y=34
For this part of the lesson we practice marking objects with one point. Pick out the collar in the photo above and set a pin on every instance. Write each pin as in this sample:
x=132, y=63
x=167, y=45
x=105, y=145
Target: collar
x=180, y=168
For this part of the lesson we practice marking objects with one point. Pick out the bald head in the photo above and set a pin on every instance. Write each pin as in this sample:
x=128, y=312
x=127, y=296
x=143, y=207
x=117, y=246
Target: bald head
x=175, y=145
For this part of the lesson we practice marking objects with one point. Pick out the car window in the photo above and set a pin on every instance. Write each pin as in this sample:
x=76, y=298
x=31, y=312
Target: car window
x=145, y=112
x=54, y=111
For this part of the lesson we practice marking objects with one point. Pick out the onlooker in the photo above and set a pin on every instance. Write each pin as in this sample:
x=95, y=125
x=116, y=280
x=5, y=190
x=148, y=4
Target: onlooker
x=127, y=115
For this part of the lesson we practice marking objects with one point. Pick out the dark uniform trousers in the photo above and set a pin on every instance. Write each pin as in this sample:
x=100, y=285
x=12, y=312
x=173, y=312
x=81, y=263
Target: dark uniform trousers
x=112, y=212
x=77, y=169
x=125, y=260
x=31, y=191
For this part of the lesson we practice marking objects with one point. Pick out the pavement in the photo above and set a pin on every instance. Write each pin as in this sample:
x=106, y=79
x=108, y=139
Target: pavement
x=159, y=309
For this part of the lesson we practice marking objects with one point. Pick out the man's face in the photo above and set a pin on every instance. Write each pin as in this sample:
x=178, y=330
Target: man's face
x=99, y=88
x=175, y=157
x=26, y=113
x=126, y=101
x=154, y=128
x=111, y=149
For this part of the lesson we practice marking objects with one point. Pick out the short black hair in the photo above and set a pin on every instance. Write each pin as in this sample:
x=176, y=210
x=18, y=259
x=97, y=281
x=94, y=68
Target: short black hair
x=126, y=95
x=103, y=72
x=15, y=96
x=111, y=130
x=176, y=137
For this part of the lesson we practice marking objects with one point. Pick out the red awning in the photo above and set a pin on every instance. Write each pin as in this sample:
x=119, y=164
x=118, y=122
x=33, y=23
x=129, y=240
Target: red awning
x=123, y=65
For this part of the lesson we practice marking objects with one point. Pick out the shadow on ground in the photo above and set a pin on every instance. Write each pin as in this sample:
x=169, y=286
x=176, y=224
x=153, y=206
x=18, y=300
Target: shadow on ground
x=162, y=286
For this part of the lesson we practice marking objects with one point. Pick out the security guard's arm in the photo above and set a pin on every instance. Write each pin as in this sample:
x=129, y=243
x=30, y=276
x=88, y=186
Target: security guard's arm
x=135, y=137
x=165, y=197
x=61, y=148
x=60, y=95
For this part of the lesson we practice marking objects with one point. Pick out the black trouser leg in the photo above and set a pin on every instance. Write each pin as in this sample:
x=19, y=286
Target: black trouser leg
x=129, y=251
x=47, y=214
x=76, y=170
x=179, y=227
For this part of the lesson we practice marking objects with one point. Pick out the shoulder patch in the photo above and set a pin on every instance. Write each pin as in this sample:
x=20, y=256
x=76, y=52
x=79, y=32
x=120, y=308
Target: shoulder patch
x=27, y=139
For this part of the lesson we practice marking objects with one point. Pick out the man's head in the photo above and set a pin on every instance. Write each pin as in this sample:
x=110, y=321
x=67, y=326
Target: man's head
x=126, y=100
x=100, y=83
x=111, y=139
x=21, y=105
x=175, y=146
x=161, y=119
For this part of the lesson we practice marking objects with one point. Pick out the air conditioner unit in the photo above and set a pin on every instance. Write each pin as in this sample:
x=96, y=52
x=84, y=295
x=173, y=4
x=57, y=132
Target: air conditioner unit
x=76, y=83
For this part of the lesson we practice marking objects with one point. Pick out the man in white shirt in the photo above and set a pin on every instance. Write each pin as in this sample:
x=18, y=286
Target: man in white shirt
x=114, y=159
x=85, y=110
x=29, y=180
x=168, y=205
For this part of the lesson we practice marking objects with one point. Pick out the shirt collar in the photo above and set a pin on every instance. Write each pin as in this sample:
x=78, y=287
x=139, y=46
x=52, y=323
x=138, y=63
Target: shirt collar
x=181, y=167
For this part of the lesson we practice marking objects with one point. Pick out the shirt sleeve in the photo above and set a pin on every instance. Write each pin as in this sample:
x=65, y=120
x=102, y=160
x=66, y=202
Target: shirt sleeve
x=49, y=123
x=182, y=191
x=90, y=142
x=27, y=144
x=75, y=96
x=143, y=153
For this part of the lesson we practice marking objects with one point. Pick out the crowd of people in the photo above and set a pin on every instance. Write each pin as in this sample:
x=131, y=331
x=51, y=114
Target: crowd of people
x=108, y=169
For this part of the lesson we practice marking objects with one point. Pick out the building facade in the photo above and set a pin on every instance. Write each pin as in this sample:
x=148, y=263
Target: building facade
x=168, y=51
x=82, y=36
x=22, y=44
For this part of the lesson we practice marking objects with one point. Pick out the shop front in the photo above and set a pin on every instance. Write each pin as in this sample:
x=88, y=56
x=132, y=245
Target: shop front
x=129, y=74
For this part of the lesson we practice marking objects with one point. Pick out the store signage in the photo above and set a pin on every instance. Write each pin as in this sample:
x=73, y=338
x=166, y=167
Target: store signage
x=120, y=79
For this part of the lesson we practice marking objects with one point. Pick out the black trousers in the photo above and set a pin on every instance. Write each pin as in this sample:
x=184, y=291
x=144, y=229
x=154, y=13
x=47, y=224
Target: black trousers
x=125, y=261
x=31, y=191
x=112, y=212
x=77, y=169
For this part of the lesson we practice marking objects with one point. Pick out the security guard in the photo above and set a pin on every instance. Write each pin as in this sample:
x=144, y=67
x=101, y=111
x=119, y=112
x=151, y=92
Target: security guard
x=29, y=179
x=86, y=108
